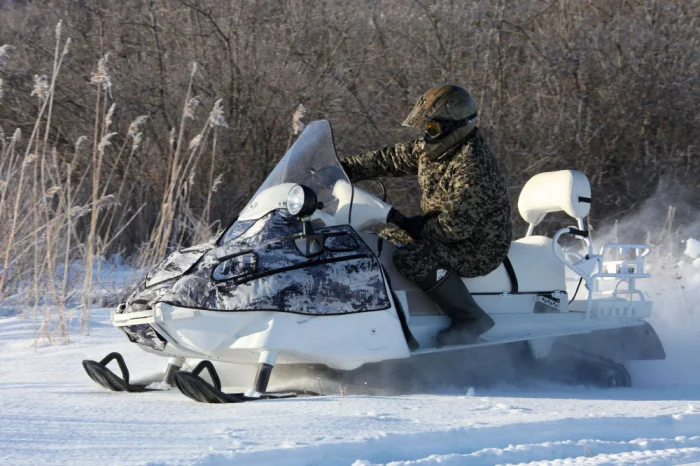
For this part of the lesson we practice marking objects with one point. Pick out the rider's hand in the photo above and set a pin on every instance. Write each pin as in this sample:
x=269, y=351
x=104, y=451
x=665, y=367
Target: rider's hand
x=414, y=226
x=411, y=225
x=396, y=217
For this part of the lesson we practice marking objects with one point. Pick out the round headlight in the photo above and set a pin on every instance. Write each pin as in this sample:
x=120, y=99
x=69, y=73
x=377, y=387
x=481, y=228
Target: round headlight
x=301, y=201
x=295, y=200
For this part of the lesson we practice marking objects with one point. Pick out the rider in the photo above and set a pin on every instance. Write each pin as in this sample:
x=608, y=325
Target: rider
x=465, y=230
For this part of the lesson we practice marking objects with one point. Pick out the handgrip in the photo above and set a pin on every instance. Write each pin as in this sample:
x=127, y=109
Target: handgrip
x=577, y=232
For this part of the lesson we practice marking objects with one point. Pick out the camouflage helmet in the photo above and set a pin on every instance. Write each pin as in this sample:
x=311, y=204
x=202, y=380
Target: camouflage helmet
x=448, y=103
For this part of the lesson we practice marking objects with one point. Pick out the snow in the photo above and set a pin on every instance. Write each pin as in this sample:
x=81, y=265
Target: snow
x=676, y=319
x=52, y=413
x=692, y=248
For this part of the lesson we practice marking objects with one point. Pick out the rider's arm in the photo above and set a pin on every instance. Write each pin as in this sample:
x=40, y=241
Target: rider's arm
x=398, y=160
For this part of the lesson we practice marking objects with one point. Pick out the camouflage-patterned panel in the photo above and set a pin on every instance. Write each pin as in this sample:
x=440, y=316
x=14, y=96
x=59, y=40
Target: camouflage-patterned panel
x=145, y=335
x=143, y=297
x=177, y=263
x=350, y=285
x=344, y=278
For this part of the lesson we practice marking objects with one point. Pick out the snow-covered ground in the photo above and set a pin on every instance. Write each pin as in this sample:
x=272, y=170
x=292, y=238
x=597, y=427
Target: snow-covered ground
x=52, y=413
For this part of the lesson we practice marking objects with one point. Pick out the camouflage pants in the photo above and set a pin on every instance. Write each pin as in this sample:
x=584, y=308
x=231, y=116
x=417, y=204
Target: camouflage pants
x=418, y=260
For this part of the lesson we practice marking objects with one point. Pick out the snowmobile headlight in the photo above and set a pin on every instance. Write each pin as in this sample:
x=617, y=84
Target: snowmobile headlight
x=301, y=201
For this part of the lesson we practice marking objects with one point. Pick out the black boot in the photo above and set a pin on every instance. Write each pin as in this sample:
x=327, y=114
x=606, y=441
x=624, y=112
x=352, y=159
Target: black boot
x=468, y=319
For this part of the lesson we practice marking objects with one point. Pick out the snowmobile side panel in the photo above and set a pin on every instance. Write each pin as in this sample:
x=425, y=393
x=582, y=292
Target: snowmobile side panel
x=343, y=342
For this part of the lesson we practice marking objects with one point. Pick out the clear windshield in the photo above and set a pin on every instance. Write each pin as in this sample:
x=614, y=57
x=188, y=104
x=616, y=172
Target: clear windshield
x=311, y=161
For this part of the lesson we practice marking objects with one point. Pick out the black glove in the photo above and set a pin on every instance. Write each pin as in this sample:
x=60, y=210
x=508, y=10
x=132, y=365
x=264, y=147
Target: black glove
x=395, y=217
x=411, y=225
x=414, y=226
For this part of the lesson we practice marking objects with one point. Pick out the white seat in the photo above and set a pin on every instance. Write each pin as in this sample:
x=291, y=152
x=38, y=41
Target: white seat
x=536, y=267
x=564, y=190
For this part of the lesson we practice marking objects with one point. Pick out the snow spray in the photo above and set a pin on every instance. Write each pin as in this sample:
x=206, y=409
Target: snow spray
x=672, y=227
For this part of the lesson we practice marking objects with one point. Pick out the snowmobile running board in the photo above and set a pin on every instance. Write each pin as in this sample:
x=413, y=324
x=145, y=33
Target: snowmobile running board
x=99, y=372
x=481, y=342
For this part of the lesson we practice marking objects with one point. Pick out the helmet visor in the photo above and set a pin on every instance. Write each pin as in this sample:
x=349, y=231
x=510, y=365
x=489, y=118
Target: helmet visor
x=417, y=116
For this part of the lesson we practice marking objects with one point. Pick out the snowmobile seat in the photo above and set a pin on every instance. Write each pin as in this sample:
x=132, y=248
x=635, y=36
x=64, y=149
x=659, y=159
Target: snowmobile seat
x=565, y=190
x=531, y=265
x=534, y=269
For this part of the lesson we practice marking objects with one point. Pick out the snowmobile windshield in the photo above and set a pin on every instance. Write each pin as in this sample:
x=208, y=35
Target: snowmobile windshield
x=312, y=161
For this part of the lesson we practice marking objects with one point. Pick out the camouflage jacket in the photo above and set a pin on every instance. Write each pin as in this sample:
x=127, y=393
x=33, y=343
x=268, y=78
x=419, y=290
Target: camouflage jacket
x=463, y=193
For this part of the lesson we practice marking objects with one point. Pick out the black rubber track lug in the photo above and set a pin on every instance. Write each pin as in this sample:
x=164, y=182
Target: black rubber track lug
x=99, y=372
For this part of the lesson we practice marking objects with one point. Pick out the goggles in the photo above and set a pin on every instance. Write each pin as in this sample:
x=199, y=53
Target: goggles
x=436, y=128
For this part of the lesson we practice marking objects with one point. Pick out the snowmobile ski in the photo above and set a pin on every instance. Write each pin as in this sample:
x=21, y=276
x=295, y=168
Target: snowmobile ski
x=193, y=386
x=99, y=372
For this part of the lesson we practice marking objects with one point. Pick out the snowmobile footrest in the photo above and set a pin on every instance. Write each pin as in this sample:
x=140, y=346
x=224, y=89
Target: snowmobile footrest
x=99, y=372
x=193, y=386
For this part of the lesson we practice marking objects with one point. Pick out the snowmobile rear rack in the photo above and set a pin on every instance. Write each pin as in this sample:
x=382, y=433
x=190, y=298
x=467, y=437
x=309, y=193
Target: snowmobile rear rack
x=193, y=386
x=99, y=372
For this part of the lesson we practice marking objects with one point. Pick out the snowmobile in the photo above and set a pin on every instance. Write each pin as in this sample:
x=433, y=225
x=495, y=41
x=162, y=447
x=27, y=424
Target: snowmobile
x=300, y=278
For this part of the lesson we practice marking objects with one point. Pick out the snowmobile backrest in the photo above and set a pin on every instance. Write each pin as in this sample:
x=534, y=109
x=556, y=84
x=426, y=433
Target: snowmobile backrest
x=564, y=190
